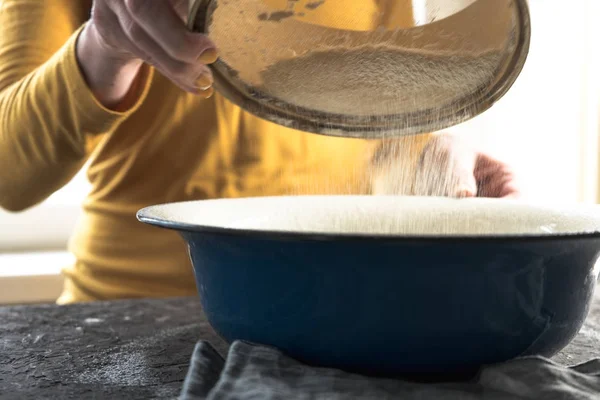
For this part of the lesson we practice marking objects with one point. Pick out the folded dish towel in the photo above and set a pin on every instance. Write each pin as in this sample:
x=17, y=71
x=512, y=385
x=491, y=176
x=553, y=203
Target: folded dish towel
x=263, y=373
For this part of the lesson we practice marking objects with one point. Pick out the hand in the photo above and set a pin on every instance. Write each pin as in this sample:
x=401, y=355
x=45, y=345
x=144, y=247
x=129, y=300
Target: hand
x=447, y=166
x=123, y=34
x=495, y=178
x=450, y=167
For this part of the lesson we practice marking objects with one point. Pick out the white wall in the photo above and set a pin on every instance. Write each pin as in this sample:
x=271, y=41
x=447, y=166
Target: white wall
x=426, y=11
x=547, y=125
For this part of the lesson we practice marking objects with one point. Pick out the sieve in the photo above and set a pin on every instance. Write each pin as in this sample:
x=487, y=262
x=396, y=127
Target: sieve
x=365, y=68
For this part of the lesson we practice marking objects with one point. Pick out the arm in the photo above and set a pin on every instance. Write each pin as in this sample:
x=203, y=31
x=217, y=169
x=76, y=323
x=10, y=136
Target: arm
x=60, y=85
x=47, y=111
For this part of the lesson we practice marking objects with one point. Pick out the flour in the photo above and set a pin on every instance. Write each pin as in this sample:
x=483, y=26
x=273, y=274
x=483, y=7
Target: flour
x=376, y=81
x=410, y=216
x=93, y=321
x=442, y=167
x=341, y=65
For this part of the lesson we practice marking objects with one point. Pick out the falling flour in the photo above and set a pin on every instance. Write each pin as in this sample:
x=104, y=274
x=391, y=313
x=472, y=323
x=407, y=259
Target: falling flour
x=380, y=81
x=357, y=69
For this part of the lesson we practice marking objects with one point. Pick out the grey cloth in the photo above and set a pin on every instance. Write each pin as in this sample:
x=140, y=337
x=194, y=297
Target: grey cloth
x=263, y=373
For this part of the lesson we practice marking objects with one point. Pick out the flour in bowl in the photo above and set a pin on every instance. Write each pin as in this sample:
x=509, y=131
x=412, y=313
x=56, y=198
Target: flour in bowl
x=411, y=216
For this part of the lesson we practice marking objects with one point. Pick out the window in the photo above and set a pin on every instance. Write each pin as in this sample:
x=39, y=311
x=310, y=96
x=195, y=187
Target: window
x=46, y=226
x=33, y=245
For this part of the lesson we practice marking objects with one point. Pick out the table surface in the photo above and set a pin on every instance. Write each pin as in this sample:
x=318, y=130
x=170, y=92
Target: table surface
x=134, y=349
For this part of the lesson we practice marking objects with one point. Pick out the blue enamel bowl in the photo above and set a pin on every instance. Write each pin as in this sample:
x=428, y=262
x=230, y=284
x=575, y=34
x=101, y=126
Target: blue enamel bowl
x=389, y=285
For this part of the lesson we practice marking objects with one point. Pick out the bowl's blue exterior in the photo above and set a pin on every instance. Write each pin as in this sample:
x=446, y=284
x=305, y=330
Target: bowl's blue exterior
x=395, y=306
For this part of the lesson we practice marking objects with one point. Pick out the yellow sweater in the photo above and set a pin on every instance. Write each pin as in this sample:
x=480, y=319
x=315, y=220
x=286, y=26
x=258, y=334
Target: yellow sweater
x=170, y=146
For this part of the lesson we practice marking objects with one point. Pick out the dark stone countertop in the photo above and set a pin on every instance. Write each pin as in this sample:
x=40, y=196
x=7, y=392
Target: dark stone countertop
x=133, y=349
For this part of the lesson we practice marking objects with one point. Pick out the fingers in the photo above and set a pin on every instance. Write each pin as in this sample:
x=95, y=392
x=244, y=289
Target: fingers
x=181, y=7
x=495, y=179
x=161, y=24
x=154, y=32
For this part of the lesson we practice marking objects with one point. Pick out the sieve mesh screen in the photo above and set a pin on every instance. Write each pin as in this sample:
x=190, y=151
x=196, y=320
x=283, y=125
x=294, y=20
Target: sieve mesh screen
x=362, y=65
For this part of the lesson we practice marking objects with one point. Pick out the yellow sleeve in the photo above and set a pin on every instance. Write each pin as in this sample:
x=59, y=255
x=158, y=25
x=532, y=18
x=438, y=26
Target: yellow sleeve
x=47, y=112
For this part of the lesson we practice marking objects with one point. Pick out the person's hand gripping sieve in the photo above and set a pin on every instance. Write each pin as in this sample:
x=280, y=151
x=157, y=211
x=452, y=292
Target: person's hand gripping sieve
x=122, y=35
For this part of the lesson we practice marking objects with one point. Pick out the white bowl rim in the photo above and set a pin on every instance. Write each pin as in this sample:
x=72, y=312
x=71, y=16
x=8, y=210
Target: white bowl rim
x=158, y=215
